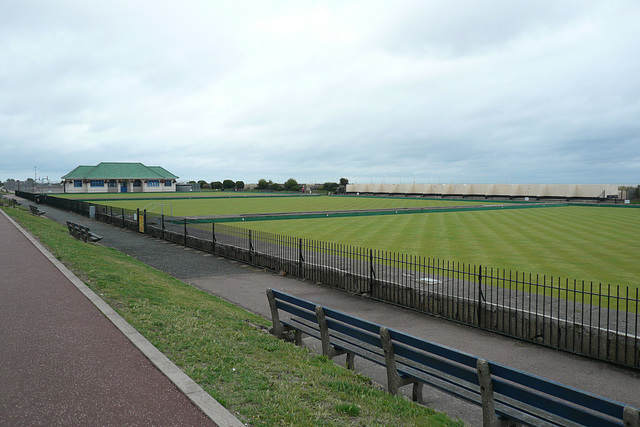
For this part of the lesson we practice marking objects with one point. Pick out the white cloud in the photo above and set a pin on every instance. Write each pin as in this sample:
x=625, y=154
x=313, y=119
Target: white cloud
x=480, y=92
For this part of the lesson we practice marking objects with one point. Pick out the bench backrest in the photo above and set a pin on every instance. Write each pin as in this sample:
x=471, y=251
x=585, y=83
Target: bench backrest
x=512, y=386
x=79, y=231
x=341, y=327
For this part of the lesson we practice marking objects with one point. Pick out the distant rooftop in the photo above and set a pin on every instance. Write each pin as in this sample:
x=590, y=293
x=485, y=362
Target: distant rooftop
x=119, y=170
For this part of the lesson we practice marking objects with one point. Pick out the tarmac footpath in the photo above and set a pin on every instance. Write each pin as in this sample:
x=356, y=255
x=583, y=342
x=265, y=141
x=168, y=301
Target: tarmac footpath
x=66, y=358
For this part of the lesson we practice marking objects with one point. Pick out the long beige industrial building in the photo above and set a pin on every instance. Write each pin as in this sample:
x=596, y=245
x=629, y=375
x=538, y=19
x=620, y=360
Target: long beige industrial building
x=514, y=191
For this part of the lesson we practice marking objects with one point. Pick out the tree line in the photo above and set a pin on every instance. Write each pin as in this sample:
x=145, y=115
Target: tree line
x=290, y=185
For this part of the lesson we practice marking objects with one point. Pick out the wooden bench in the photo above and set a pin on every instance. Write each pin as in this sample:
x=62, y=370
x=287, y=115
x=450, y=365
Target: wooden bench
x=35, y=211
x=81, y=232
x=11, y=202
x=507, y=395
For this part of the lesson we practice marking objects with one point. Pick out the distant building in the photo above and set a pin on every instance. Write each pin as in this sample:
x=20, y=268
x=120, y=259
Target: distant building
x=113, y=177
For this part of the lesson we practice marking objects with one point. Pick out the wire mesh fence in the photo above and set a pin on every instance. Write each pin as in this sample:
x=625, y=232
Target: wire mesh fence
x=596, y=320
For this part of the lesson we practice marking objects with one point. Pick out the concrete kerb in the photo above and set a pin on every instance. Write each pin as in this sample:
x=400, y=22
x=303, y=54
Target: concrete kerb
x=203, y=400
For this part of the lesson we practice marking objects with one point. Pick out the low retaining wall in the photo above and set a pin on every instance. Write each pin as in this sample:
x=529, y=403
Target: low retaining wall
x=615, y=347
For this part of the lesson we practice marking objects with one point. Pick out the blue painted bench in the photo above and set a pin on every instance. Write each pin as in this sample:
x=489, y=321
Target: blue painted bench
x=508, y=396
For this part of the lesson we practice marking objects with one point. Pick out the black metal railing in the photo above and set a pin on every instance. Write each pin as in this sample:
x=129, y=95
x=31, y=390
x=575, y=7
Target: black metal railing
x=596, y=320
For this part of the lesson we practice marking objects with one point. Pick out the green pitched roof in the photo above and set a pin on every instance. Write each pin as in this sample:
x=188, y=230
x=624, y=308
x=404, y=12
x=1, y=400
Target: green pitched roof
x=116, y=170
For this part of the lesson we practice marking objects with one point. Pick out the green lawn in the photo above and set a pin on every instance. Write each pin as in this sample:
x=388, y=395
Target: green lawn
x=585, y=243
x=595, y=244
x=248, y=205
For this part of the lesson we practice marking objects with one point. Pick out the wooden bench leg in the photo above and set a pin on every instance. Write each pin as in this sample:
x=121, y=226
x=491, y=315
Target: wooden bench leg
x=631, y=417
x=395, y=381
x=489, y=418
x=351, y=361
x=327, y=349
x=417, y=392
x=278, y=328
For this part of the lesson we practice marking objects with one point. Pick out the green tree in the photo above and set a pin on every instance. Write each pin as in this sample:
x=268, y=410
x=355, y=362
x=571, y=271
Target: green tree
x=239, y=185
x=216, y=185
x=291, y=185
x=330, y=186
x=342, y=188
x=263, y=184
x=204, y=184
x=228, y=184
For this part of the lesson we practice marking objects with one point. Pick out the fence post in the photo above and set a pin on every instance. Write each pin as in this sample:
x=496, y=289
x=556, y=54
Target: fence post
x=185, y=232
x=144, y=224
x=300, y=259
x=213, y=237
x=480, y=297
x=372, y=272
x=138, y=219
x=162, y=225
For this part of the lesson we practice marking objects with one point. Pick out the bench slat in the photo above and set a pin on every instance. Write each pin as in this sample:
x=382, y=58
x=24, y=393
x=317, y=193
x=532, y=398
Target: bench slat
x=355, y=333
x=518, y=395
x=370, y=327
x=294, y=300
x=421, y=361
x=444, y=382
x=569, y=394
x=296, y=311
x=433, y=348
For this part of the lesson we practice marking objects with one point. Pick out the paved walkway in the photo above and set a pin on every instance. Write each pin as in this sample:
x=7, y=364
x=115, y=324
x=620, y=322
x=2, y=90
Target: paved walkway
x=64, y=359
x=245, y=286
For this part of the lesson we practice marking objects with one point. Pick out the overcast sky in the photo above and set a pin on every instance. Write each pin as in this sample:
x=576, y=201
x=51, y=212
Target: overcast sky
x=375, y=91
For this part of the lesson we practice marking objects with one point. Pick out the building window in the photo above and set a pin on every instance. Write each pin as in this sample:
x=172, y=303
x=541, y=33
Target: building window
x=97, y=183
x=153, y=183
x=113, y=183
x=168, y=183
x=137, y=183
x=77, y=183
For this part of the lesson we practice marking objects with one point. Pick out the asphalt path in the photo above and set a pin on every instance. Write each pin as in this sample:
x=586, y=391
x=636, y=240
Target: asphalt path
x=65, y=359
x=245, y=286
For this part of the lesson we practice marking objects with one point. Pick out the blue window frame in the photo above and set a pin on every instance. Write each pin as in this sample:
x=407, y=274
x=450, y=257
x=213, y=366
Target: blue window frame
x=153, y=183
x=77, y=183
x=97, y=182
x=168, y=183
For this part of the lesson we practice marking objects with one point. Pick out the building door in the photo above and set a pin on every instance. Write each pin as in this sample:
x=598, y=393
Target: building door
x=123, y=187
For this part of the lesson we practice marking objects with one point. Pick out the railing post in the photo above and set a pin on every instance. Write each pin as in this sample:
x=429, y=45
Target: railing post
x=372, y=273
x=162, y=225
x=300, y=258
x=185, y=231
x=144, y=225
x=213, y=237
x=138, y=219
x=480, y=297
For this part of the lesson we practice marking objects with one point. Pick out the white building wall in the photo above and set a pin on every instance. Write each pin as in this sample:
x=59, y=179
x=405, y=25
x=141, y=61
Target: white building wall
x=69, y=187
x=509, y=190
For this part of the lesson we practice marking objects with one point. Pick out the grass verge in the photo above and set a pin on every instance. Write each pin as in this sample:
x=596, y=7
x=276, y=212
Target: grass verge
x=261, y=379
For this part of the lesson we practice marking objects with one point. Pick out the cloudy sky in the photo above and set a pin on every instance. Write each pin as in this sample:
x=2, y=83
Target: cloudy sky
x=375, y=91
